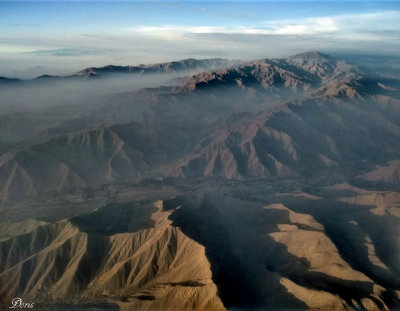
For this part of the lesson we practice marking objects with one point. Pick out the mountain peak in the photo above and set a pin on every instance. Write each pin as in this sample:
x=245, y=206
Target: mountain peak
x=184, y=66
x=316, y=63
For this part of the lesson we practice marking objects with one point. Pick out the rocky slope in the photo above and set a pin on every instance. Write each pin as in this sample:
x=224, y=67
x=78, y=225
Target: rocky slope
x=298, y=252
x=120, y=153
x=207, y=251
x=300, y=138
x=389, y=173
x=338, y=120
x=268, y=185
x=135, y=260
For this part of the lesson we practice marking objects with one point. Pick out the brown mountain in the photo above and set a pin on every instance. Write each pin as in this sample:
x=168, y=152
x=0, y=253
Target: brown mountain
x=210, y=252
x=135, y=260
x=336, y=122
x=299, y=138
x=120, y=153
x=267, y=185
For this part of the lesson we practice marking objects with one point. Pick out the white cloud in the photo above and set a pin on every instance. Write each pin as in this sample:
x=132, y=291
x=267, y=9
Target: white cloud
x=308, y=26
x=347, y=27
x=375, y=32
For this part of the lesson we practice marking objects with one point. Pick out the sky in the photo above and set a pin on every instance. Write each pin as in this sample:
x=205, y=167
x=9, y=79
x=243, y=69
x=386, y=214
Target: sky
x=61, y=37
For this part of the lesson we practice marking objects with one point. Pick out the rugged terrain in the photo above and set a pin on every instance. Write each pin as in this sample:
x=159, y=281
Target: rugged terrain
x=263, y=185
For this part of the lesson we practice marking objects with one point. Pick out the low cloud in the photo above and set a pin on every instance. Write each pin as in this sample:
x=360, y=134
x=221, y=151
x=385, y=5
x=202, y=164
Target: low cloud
x=373, y=32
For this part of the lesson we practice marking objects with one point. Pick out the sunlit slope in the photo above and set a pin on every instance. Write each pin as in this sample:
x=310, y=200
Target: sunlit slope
x=208, y=251
x=307, y=253
x=125, y=254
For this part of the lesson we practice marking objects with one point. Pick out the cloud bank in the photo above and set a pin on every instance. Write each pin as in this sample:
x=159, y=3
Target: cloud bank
x=377, y=32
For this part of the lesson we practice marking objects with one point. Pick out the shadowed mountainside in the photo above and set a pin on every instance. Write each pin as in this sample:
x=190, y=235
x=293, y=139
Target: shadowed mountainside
x=315, y=254
x=135, y=260
x=336, y=120
x=297, y=252
x=265, y=185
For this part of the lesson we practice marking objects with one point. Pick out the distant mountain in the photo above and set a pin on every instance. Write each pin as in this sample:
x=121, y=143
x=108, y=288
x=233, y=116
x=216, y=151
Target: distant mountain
x=8, y=81
x=264, y=74
x=30, y=73
x=319, y=64
x=305, y=114
x=266, y=185
x=185, y=65
x=300, y=72
x=119, y=153
x=337, y=120
x=301, y=138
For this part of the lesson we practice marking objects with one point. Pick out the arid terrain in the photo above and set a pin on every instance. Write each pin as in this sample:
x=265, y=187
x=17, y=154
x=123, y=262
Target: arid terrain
x=212, y=184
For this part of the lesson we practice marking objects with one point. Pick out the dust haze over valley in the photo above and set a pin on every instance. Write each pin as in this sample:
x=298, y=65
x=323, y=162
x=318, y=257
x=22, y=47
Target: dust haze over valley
x=87, y=98
x=203, y=185
x=206, y=183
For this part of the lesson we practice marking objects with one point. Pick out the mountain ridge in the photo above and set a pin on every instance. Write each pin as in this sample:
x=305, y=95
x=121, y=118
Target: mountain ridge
x=266, y=185
x=188, y=64
x=274, y=143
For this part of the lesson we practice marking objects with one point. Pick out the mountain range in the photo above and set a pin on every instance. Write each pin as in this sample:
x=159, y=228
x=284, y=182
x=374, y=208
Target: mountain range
x=270, y=184
x=288, y=118
x=183, y=66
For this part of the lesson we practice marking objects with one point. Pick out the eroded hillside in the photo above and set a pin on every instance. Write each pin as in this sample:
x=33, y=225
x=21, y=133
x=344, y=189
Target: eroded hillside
x=264, y=185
